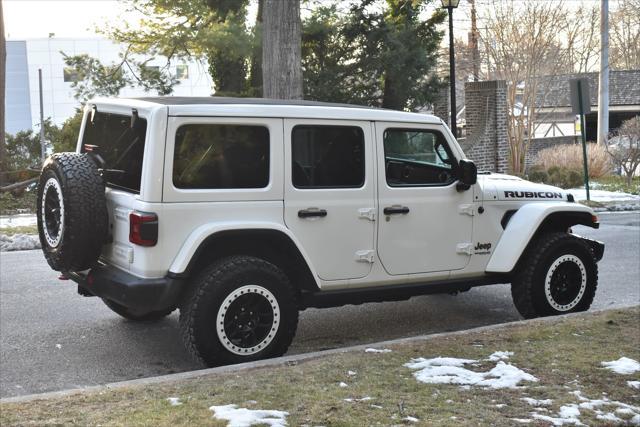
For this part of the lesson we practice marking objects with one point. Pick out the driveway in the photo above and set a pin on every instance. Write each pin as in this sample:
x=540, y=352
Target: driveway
x=51, y=338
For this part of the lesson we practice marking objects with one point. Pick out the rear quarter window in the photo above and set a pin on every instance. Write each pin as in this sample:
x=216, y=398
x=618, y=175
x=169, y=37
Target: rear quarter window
x=120, y=145
x=218, y=156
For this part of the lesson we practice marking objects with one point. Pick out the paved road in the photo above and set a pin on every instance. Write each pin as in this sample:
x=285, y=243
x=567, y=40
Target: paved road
x=53, y=339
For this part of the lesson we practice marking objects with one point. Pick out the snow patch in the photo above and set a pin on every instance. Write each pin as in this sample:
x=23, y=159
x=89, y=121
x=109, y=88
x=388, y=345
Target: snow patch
x=448, y=370
x=556, y=421
x=623, y=366
x=569, y=414
x=569, y=411
x=522, y=420
x=19, y=242
x=361, y=399
x=241, y=417
x=352, y=373
x=537, y=402
x=23, y=220
x=174, y=401
x=634, y=384
x=375, y=350
x=609, y=417
x=500, y=355
x=603, y=195
x=343, y=384
x=411, y=419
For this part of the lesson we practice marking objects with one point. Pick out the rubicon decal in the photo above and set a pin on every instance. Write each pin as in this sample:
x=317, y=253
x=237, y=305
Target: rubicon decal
x=533, y=195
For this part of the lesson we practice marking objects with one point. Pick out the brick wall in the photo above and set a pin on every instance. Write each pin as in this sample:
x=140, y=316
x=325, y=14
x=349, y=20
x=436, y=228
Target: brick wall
x=442, y=105
x=486, y=125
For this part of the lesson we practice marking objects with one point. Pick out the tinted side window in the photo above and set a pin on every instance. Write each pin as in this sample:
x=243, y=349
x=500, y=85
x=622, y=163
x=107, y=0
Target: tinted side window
x=120, y=146
x=417, y=157
x=215, y=156
x=327, y=156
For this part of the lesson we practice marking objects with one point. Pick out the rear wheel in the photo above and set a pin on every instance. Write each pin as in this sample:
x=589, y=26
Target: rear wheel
x=558, y=275
x=241, y=308
x=137, y=315
x=71, y=212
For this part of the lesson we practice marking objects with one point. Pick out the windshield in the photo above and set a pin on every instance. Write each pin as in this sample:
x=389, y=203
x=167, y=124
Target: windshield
x=121, y=146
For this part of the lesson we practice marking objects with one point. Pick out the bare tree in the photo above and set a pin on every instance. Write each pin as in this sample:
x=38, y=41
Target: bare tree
x=624, y=34
x=624, y=147
x=582, y=38
x=281, y=49
x=3, y=63
x=522, y=45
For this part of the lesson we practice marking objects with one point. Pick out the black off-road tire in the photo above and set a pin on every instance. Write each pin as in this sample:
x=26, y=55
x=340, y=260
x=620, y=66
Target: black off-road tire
x=71, y=182
x=137, y=316
x=528, y=288
x=212, y=295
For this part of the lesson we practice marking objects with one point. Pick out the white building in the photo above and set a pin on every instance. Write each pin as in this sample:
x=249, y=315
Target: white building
x=25, y=57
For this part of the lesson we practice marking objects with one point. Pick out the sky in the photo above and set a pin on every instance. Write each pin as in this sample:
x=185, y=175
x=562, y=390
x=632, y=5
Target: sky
x=69, y=18
x=79, y=18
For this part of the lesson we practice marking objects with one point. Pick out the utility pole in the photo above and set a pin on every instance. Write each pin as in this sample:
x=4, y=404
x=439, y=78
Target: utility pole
x=474, y=42
x=42, y=149
x=603, y=83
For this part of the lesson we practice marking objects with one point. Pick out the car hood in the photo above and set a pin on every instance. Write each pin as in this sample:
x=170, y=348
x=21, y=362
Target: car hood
x=499, y=187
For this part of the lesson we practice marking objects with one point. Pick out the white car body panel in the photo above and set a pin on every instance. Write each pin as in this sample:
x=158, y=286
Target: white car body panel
x=420, y=247
x=521, y=229
x=425, y=239
x=335, y=241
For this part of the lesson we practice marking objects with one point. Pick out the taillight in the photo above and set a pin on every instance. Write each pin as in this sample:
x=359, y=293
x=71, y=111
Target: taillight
x=143, y=228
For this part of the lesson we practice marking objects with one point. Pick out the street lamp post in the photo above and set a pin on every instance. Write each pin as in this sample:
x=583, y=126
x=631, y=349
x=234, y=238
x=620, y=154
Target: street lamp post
x=450, y=5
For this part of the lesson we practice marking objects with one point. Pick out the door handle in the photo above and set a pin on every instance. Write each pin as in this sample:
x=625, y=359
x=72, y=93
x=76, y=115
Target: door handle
x=392, y=210
x=312, y=212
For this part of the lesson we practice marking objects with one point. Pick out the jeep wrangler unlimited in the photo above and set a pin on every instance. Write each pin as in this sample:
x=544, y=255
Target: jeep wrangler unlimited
x=241, y=212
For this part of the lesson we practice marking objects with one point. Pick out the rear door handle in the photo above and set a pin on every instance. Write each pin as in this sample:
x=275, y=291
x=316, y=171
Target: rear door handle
x=312, y=212
x=393, y=210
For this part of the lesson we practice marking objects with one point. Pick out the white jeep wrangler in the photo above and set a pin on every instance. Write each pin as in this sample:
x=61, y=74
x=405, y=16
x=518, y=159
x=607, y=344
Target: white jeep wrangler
x=241, y=212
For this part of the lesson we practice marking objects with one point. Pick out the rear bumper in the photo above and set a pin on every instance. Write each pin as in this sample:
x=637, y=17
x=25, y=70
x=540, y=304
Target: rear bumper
x=109, y=282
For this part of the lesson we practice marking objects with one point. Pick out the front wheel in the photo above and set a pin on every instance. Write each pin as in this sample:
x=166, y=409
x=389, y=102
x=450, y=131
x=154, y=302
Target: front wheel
x=558, y=275
x=240, y=309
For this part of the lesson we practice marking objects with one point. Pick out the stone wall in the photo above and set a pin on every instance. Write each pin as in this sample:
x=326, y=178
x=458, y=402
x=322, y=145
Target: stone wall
x=486, y=125
x=538, y=144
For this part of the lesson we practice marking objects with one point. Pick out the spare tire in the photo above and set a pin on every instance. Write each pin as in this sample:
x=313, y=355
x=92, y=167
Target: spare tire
x=71, y=211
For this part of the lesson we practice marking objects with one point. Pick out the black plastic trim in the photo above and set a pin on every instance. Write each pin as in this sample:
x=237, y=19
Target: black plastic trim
x=596, y=246
x=399, y=292
x=133, y=292
x=507, y=217
x=309, y=213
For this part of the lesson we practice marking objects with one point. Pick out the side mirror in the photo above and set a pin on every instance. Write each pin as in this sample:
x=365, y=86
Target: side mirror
x=467, y=175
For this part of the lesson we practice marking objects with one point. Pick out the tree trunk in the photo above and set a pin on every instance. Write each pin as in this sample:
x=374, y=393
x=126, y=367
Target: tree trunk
x=392, y=98
x=255, y=72
x=281, y=49
x=3, y=63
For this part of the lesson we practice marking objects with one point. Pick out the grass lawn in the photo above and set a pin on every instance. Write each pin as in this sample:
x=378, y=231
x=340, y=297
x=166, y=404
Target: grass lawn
x=618, y=183
x=565, y=356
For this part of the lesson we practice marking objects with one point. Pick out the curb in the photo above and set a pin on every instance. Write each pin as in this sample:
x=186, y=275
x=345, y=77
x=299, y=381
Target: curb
x=294, y=359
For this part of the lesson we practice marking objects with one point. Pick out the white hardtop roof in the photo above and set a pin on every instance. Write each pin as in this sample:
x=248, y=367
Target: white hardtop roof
x=260, y=107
